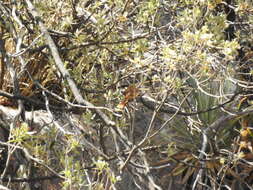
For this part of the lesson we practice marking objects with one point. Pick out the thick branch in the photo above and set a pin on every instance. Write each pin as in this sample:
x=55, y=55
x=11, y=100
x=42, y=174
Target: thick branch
x=60, y=65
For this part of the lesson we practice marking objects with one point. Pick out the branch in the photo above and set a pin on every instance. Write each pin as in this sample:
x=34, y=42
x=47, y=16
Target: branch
x=4, y=188
x=150, y=104
x=61, y=68
x=19, y=180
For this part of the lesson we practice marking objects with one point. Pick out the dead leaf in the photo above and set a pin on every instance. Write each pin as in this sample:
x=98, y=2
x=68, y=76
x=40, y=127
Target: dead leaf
x=129, y=95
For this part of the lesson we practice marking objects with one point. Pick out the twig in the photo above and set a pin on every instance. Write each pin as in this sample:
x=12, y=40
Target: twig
x=207, y=134
x=135, y=147
x=29, y=156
